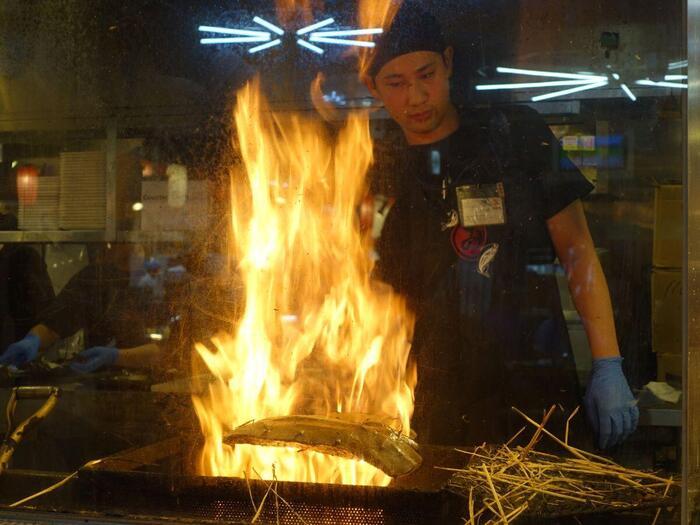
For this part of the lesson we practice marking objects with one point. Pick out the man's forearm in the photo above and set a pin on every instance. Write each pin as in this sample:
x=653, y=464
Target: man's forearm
x=589, y=290
x=45, y=335
x=143, y=356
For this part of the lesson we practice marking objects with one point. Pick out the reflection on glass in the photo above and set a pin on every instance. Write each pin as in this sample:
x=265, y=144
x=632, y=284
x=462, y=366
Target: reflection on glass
x=525, y=199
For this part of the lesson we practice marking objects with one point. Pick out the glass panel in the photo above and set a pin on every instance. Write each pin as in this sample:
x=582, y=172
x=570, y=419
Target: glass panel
x=297, y=261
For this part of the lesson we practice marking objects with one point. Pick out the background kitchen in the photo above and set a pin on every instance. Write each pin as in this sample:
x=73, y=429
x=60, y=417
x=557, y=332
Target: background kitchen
x=115, y=133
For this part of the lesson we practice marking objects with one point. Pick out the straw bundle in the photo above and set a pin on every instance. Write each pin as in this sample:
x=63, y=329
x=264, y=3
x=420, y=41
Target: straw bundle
x=503, y=483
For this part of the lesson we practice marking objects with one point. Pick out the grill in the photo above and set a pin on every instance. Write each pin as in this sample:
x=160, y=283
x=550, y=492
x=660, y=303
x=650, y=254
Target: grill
x=157, y=480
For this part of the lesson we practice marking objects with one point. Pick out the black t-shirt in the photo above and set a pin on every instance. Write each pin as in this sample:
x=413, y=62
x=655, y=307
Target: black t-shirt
x=99, y=299
x=25, y=290
x=478, y=291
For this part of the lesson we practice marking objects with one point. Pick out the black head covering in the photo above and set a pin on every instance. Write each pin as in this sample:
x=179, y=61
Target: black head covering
x=413, y=29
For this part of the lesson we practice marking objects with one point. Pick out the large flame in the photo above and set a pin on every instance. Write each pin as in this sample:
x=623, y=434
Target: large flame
x=317, y=336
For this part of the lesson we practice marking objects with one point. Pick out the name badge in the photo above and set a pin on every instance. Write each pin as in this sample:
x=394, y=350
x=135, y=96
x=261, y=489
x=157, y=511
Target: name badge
x=481, y=204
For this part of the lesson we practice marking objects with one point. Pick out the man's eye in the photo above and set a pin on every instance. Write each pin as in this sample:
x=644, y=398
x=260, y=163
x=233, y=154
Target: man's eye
x=395, y=84
x=428, y=75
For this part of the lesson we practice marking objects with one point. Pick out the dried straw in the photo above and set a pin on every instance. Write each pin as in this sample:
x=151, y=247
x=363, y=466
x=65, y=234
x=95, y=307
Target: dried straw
x=503, y=483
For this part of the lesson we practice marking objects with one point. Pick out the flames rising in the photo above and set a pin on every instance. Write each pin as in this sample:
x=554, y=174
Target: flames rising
x=374, y=13
x=289, y=10
x=317, y=335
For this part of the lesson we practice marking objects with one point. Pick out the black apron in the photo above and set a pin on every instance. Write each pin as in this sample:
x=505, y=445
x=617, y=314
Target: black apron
x=480, y=301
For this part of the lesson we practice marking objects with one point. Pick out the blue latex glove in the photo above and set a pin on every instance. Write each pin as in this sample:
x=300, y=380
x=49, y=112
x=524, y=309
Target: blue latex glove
x=22, y=351
x=610, y=405
x=95, y=358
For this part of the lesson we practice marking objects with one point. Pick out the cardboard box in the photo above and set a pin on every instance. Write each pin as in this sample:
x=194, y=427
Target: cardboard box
x=669, y=367
x=668, y=227
x=667, y=311
x=158, y=215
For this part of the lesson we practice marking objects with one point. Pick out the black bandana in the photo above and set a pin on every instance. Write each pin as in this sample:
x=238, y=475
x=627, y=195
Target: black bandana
x=413, y=29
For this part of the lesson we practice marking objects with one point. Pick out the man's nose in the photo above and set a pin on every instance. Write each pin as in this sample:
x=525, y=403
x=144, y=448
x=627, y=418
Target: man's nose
x=417, y=95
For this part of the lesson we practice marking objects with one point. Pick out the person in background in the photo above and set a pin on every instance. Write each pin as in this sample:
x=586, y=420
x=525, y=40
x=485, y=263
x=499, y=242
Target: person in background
x=99, y=300
x=25, y=285
x=25, y=290
x=478, y=205
x=153, y=279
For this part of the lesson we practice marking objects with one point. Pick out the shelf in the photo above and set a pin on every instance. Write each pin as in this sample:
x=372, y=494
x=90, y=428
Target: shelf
x=155, y=236
x=89, y=236
x=53, y=236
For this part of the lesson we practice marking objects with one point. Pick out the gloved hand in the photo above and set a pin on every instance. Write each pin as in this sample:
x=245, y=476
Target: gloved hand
x=610, y=405
x=95, y=358
x=22, y=351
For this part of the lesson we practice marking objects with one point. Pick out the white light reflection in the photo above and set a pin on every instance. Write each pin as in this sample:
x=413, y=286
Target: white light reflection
x=349, y=32
x=242, y=36
x=234, y=40
x=564, y=92
x=652, y=83
x=531, y=85
x=268, y=25
x=628, y=92
x=317, y=25
x=678, y=65
x=553, y=74
x=267, y=45
x=232, y=31
x=582, y=81
x=341, y=42
x=311, y=47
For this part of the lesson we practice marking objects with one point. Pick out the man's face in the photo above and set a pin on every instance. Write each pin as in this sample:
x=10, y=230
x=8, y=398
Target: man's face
x=415, y=90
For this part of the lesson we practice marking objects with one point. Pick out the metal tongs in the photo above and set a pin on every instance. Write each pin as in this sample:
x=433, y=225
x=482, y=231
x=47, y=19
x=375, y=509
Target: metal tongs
x=14, y=437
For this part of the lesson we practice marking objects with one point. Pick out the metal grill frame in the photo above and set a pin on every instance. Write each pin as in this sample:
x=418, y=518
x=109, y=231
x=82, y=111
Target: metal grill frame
x=157, y=480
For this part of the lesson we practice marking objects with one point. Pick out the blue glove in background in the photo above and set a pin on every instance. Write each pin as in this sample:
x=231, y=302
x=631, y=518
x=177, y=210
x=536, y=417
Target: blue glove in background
x=610, y=405
x=95, y=358
x=22, y=351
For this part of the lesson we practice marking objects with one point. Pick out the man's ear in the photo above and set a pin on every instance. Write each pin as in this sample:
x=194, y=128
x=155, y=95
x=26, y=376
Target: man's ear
x=368, y=81
x=447, y=57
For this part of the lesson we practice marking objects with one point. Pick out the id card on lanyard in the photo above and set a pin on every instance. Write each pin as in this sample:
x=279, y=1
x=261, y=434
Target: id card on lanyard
x=481, y=204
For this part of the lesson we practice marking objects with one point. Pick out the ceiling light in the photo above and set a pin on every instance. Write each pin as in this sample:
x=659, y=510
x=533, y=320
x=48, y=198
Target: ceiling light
x=233, y=31
x=652, y=83
x=243, y=36
x=570, y=91
x=311, y=47
x=266, y=45
x=234, y=40
x=554, y=74
x=341, y=42
x=532, y=85
x=678, y=65
x=317, y=25
x=349, y=32
x=268, y=25
x=628, y=92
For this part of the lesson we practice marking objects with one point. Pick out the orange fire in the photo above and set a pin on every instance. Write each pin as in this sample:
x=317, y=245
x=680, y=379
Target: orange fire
x=374, y=13
x=303, y=10
x=317, y=335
